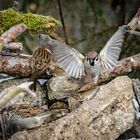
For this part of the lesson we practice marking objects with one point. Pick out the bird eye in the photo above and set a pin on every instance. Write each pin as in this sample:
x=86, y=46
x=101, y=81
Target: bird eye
x=96, y=59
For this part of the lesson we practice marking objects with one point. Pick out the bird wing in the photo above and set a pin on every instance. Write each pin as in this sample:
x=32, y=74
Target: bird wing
x=109, y=55
x=70, y=60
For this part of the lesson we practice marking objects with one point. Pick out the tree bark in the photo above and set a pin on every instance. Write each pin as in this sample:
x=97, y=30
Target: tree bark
x=20, y=66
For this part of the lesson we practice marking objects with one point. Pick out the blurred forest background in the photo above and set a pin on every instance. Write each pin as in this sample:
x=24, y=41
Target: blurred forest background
x=87, y=24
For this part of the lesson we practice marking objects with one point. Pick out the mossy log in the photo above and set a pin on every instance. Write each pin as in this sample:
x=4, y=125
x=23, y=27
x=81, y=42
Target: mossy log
x=35, y=23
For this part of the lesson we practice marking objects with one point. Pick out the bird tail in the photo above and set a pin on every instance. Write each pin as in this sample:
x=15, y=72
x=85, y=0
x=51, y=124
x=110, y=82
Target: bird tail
x=34, y=78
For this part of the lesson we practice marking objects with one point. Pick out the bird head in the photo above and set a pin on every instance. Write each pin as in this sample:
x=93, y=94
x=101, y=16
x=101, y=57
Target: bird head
x=92, y=58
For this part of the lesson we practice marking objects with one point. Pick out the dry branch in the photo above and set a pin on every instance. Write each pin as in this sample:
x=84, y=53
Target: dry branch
x=134, y=24
x=10, y=36
x=124, y=67
x=20, y=66
x=15, y=65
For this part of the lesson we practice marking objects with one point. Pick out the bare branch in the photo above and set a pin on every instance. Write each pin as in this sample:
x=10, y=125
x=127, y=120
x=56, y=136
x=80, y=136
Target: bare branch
x=124, y=67
x=135, y=22
x=10, y=36
x=15, y=65
x=20, y=66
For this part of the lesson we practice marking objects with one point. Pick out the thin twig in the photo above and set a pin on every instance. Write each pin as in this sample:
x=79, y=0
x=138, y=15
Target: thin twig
x=62, y=20
x=137, y=33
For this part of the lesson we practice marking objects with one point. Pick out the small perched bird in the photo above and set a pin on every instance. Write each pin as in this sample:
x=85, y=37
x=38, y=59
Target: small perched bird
x=77, y=65
x=41, y=59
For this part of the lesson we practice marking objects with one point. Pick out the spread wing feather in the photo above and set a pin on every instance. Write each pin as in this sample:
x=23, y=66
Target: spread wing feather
x=70, y=60
x=110, y=53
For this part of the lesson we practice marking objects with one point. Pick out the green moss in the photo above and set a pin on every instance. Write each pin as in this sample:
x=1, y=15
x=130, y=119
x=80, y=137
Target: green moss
x=35, y=23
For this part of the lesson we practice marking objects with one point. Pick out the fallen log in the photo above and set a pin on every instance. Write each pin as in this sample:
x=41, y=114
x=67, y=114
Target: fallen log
x=104, y=116
x=21, y=66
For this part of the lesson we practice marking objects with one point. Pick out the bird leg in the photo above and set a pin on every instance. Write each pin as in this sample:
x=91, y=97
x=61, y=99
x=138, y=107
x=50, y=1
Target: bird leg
x=34, y=78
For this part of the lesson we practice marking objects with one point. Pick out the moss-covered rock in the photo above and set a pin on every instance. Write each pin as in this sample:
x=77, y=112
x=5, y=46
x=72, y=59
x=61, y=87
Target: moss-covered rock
x=35, y=23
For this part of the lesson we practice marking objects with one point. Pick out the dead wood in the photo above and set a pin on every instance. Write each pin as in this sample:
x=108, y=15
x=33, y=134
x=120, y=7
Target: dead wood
x=125, y=66
x=20, y=66
x=15, y=65
x=105, y=116
x=134, y=24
